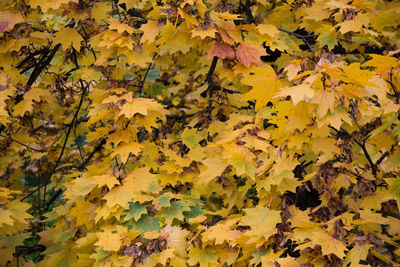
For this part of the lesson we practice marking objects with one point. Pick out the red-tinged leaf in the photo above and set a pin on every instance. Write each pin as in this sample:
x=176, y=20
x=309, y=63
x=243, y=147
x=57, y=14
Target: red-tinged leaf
x=8, y=20
x=250, y=52
x=220, y=50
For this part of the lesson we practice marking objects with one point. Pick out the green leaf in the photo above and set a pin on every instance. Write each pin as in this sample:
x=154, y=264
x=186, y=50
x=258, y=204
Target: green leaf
x=155, y=90
x=175, y=211
x=153, y=75
x=136, y=210
x=164, y=200
x=194, y=212
x=128, y=76
x=190, y=138
x=146, y=224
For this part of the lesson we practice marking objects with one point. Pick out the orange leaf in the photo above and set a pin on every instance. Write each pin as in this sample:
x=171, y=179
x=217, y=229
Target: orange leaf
x=250, y=52
x=220, y=50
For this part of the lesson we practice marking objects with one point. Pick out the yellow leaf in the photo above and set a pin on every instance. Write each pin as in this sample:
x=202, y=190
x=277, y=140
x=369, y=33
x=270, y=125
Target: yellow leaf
x=355, y=24
x=227, y=15
x=357, y=253
x=261, y=216
x=203, y=33
x=120, y=27
x=268, y=29
x=325, y=101
x=329, y=244
x=265, y=84
x=120, y=195
x=357, y=75
x=297, y=93
x=150, y=31
x=67, y=37
x=176, y=238
x=5, y=217
x=202, y=256
x=109, y=240
x=215, y=168
x=124, y=150
x=221, y=233
x=46, y=5
x=139, y=106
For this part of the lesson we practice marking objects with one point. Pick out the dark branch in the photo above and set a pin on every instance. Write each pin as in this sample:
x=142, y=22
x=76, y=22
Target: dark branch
x=249, y=15
x=211, y=84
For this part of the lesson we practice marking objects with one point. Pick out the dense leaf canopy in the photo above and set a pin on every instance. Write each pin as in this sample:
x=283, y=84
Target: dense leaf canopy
x=199, y=133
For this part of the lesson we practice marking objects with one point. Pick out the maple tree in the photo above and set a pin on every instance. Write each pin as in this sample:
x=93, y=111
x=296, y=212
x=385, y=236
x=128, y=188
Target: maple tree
x=199, y=133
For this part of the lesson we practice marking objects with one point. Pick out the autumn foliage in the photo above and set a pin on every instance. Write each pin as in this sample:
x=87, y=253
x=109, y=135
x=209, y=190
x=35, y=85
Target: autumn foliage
x=199, y=133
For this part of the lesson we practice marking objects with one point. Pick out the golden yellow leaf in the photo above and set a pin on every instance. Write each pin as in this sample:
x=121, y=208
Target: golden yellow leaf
x=124, y=150
x=355, y=24
x=297, y=93
x=329, y=244
x=268, y=29
x=265, y=84
x=150, y=31
x=68, y=37
x=139, y=106
x=357, y=253
x=325, y=101
x=108, y=240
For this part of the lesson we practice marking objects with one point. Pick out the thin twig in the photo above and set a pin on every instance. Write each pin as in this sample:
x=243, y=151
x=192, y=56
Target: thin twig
x=63, y=147
x=96, y=149
x=299, y=36
x=22, y=144
x=145, y=75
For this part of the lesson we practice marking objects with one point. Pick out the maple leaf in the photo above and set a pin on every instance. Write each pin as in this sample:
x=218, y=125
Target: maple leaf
x=202, y=256
x=176, y=238
x=250, y=52
x=215, y=167
x=265, y=84
x=191, y=138
x=146, y=224
x=329, y=244
x=297, y=93
x=150, y=31
x=120, y=195
x=221, y=233
x=136, y=210
x=68, y=37
x=120, y=27
x=268, y=29
x=261, y=216
x=325, y=101
x=355, y=24
x=8, y=20
x=109, y=240
x=357, y=254
x=220, y=50
x=124, y=150
x=139, y=106
x=175, y=211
